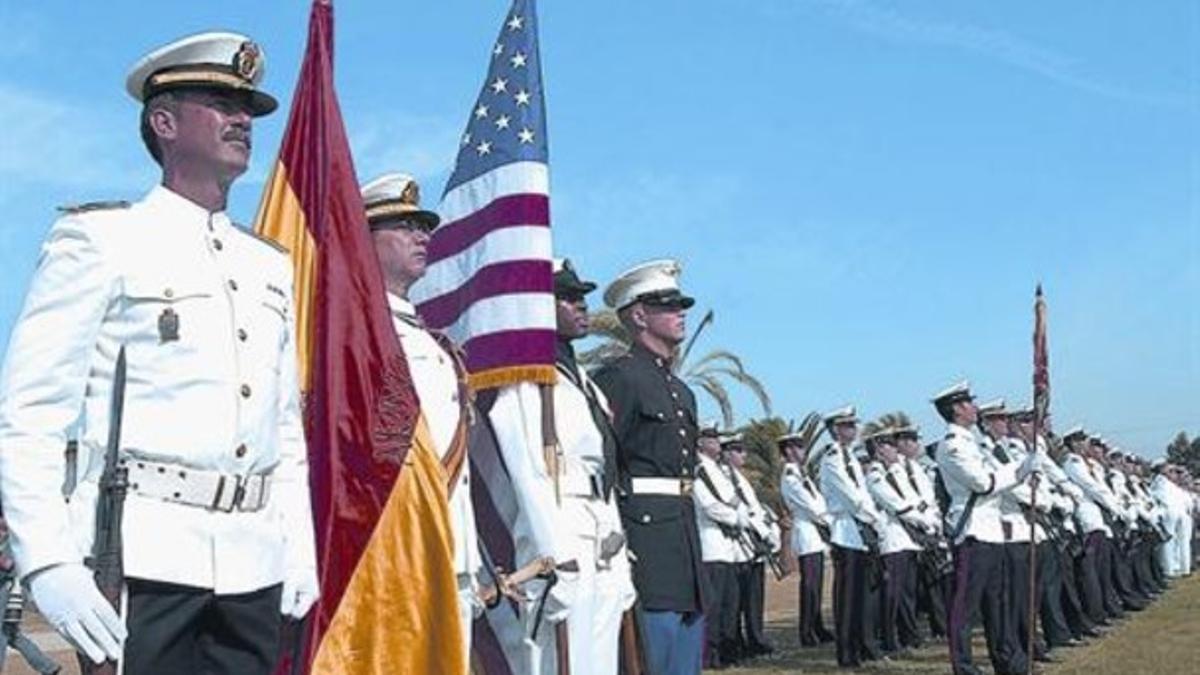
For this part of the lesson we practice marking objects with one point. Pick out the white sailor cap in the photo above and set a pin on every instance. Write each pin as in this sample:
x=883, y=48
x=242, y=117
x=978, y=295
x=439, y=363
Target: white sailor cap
x=655, y=282
x=1074, y=432
x=710, y=428
x=954, y=393
x=393, y=201
x=993, y=408
x=843, y=415
x=790, y=438
x=732, y=438
x=907, y=430
x=214, y=60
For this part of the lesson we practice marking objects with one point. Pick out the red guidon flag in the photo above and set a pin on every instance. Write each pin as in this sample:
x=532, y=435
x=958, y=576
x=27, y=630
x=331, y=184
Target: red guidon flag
x=1041, y=363
x=384, y=546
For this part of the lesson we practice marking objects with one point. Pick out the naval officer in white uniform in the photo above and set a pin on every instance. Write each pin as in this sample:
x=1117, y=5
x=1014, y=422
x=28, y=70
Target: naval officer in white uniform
x=218, y=538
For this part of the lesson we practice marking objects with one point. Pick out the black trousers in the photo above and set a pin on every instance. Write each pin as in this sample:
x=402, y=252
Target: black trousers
x=980, y=590
x=1122, y=571
x=932, y=593
x=1018, y=576
x=1090, y=568
x=898, y=611
x=812, y=578
x=849, y=605
x=182, y=630
x=720, y=619
x=752, y=586
x=1108, y=579
x=1050, y=602
x=1073, y=608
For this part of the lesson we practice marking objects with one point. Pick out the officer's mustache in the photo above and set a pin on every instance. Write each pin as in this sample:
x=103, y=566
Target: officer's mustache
x=238, y=134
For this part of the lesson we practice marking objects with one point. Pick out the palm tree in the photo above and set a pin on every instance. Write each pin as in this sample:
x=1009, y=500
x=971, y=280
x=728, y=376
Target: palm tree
x=709, y=372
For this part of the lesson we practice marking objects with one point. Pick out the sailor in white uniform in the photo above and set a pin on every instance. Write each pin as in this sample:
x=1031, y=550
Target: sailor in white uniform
x=217, y=525
x=976, y=487
x=401, y=229
x=571, y=517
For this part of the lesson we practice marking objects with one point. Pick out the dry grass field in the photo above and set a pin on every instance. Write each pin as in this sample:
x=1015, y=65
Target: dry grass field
x=1163, y=640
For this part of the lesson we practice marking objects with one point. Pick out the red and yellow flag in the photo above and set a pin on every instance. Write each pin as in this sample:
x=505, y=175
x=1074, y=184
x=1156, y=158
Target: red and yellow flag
x=384, y=546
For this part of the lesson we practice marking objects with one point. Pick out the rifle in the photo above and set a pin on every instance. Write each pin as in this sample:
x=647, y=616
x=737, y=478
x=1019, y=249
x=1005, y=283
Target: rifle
x=753, y=542
x=106, y=562
x=934, y=558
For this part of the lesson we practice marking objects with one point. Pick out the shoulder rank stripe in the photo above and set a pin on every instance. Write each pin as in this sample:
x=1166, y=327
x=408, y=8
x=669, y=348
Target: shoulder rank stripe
x=93, y=206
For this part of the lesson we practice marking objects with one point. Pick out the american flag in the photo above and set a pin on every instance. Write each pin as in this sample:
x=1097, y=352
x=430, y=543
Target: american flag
x=489, y=283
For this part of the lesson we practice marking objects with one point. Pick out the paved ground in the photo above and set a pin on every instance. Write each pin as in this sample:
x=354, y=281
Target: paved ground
x=1163, y=640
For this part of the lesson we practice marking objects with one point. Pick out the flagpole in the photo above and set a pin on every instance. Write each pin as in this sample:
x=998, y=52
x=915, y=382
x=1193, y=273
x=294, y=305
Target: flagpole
x=1041, y=403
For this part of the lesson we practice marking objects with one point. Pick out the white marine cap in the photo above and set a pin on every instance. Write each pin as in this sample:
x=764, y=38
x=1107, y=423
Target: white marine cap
x=841, y=415
x=993, y=408
x=655, y=282
x=393, y=201
x=214, y=60
x=710, y=428
x=960, y=391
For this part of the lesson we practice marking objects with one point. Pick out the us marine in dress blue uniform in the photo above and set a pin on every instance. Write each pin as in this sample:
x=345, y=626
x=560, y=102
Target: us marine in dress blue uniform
x=654, y=416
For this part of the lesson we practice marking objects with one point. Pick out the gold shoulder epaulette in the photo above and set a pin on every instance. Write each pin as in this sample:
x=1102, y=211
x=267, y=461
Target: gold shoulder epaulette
x=266, y=240
x=93, y=206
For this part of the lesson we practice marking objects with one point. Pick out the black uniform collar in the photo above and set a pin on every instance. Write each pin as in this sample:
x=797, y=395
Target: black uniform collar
x=640, y=352
x=564, y=354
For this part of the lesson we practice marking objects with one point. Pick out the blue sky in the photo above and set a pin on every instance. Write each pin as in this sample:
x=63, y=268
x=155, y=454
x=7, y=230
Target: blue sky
x=865, y=192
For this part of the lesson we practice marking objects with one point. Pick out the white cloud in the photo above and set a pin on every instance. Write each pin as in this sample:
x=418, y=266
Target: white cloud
x=423, y=146
x=891, y=24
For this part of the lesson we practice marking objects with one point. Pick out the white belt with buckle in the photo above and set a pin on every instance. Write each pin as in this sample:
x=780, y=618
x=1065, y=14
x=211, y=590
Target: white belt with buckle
x=674, y=487
x=210, y=490
x=581, y=484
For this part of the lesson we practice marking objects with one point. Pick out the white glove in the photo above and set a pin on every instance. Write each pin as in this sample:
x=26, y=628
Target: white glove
x=299, y=592
x=68, y=598
x=1032, y=463
x=743, y=519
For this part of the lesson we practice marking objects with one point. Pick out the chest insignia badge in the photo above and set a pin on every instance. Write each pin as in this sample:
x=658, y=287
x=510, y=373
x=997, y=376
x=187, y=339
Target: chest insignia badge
x=168, y=326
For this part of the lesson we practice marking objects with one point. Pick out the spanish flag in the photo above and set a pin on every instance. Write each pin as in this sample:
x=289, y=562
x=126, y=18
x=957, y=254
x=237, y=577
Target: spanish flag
x=384, y=546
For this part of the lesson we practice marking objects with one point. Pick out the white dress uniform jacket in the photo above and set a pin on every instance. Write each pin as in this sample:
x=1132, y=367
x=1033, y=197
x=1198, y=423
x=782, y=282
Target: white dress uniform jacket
x=808, y=509
x=1080, y=470
x=1020, y=498
x=919, y=479
x=717, y=510
x=436, y=381
x=581, y=529
x=966, y=471
x=896, y=500
x=845, y=489
x=756, y=514
x=204, y=311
